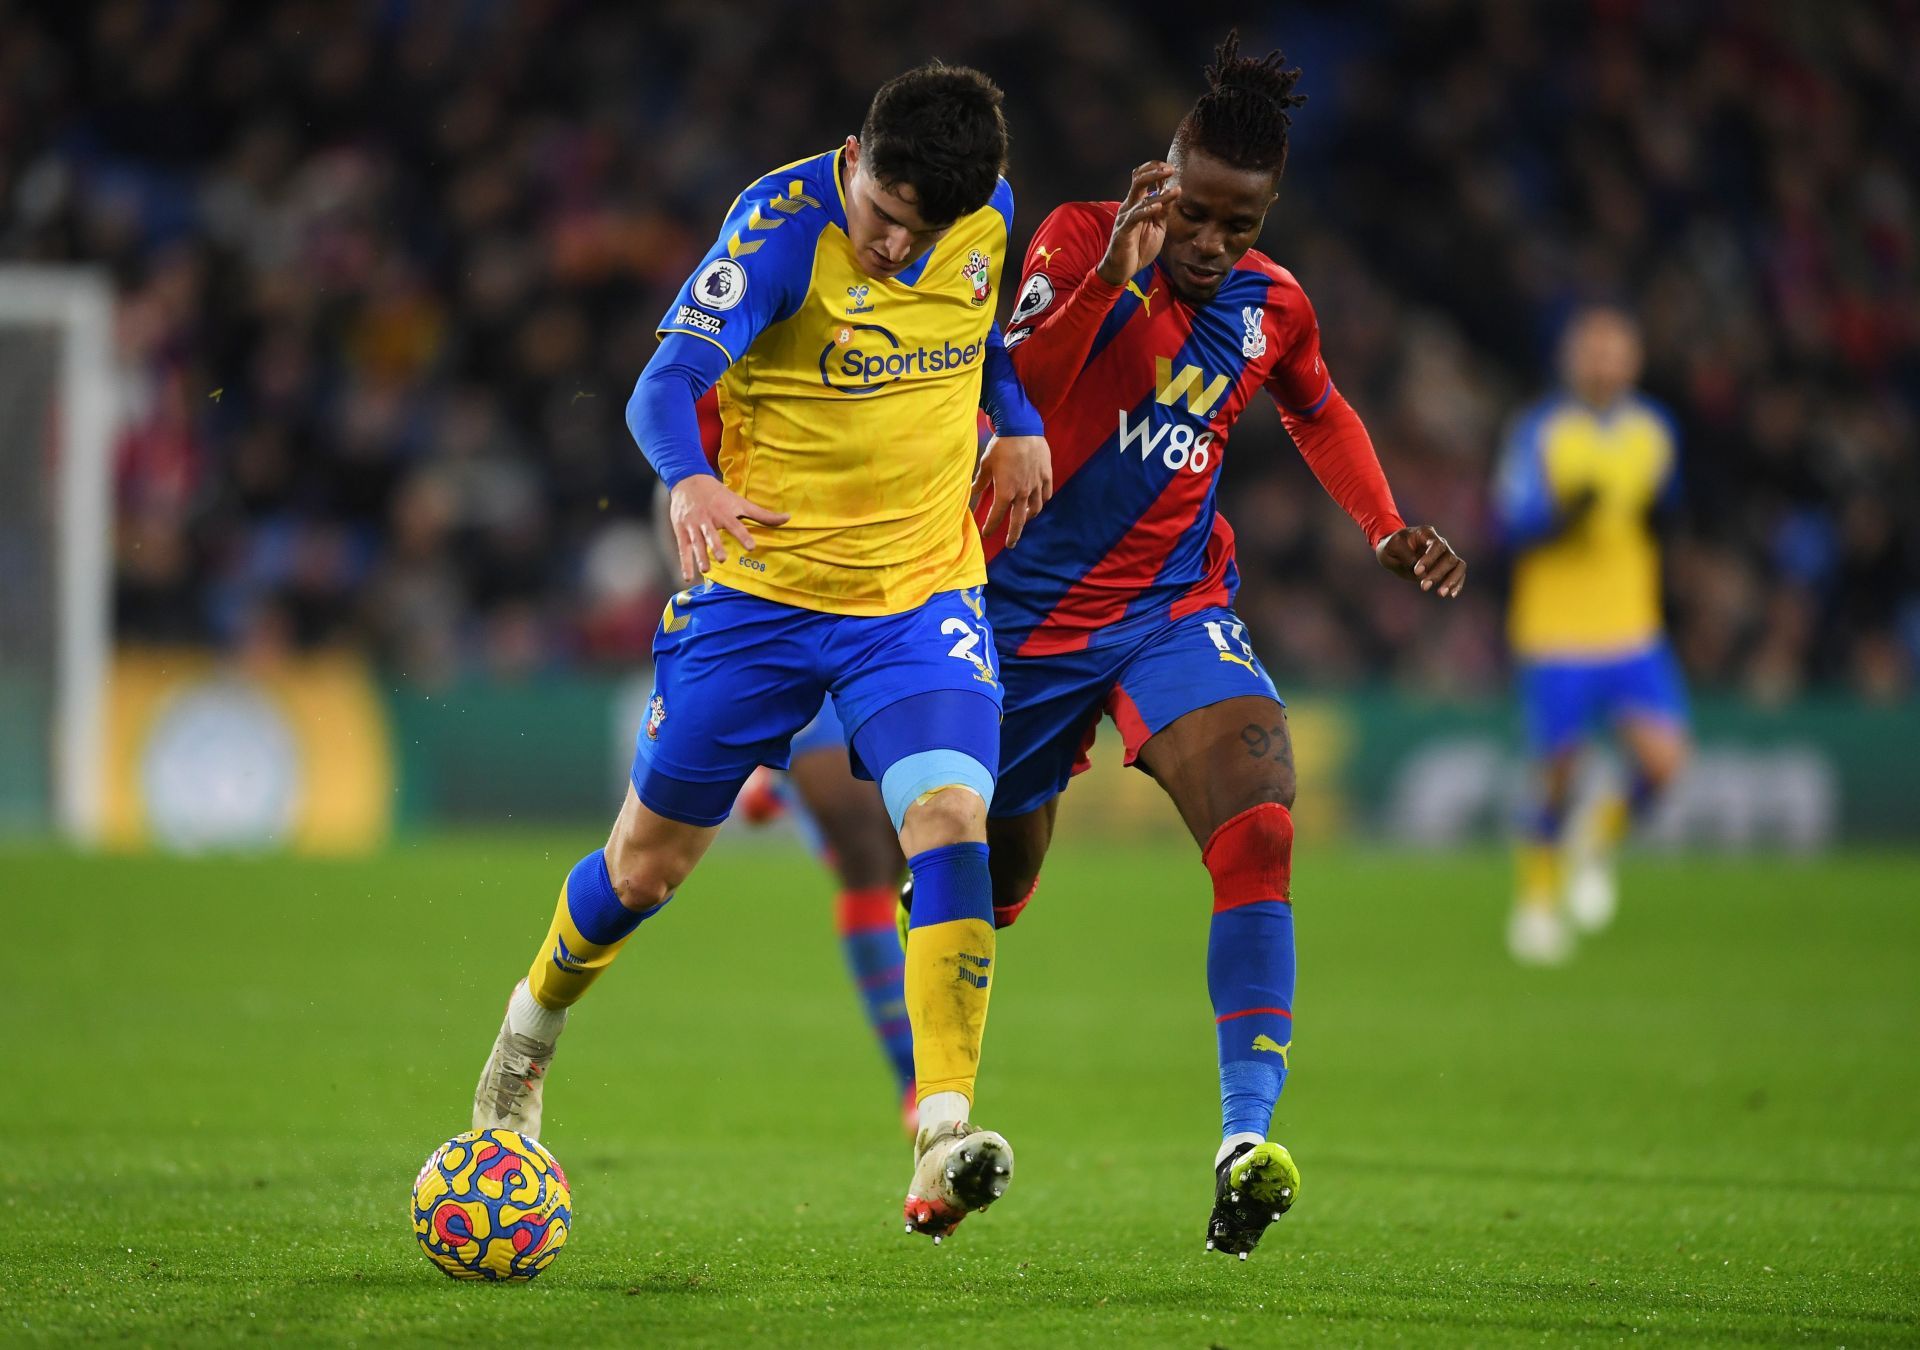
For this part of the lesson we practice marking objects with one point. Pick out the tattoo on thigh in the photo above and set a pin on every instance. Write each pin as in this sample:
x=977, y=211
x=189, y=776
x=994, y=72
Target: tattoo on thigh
x=1264, y=742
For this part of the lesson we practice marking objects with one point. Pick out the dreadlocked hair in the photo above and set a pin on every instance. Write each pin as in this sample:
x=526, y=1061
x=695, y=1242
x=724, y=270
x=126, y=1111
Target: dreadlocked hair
x=1242, y=119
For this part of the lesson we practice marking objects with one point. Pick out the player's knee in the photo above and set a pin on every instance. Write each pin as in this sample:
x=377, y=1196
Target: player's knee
x=1662, y=760
x=1010, y=897
x=1277, y=789
x=1014, y=865
x=1557, y=775
x=1012, y=883
x=643, y=878
x=1282, y=788
x=944, y=815
x=937, y=797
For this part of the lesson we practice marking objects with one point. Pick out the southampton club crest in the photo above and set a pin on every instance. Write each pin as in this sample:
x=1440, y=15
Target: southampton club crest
x=976, y=271
x=656, y=715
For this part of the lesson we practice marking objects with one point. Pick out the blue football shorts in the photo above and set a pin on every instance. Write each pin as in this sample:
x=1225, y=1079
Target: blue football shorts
x=1143, y=680
x=1565, y=700
x=825, y=732
x=736, y=678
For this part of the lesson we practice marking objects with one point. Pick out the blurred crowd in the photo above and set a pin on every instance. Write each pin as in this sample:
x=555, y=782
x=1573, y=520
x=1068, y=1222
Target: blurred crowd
x=389, y=271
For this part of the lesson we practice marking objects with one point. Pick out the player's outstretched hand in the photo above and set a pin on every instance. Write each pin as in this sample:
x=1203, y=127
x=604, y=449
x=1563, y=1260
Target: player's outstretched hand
x=1141, y=225
x=704, y=512
x=1019, y=470
x=1421, y=553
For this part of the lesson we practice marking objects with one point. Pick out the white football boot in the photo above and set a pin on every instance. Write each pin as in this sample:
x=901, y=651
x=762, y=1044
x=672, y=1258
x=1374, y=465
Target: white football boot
x=958, y=1168
x=1537, y=936
x=1593, y=894
x=510, y=1087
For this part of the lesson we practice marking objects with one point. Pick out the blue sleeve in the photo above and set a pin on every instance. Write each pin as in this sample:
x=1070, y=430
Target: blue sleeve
x=755, y=275
x=1672, y=495
x=1002, y=394
x=1523, y=502
x=758, y=270
x=661, y=415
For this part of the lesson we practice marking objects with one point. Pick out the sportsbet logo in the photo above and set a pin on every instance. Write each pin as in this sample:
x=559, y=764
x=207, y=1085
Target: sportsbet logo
x=865, y=358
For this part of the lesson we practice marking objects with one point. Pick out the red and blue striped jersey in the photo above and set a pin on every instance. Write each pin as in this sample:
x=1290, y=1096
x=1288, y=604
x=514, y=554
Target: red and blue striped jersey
x=1139, y=391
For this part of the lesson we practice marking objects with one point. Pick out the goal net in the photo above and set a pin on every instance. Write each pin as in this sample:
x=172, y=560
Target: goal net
x=56, y=545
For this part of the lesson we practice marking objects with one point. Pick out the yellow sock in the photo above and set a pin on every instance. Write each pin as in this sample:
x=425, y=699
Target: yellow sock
x=1611, y=821
x=567, y=964
x=1538, y=866
x=949, y=978
x=569, y=961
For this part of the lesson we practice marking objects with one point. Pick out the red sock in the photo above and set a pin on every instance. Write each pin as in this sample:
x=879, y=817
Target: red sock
x=1004, y=915
x=872, y=946
x=1251, y=857
x=863, y=911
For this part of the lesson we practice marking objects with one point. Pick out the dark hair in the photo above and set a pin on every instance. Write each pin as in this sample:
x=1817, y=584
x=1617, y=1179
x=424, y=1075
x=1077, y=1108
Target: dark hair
x=1242, y=119
x=939, y=130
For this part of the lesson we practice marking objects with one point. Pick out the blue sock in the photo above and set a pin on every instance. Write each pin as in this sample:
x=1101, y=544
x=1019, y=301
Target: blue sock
x=951, y=883
x=594, y=906
x=871, y=944
x=1250, y=974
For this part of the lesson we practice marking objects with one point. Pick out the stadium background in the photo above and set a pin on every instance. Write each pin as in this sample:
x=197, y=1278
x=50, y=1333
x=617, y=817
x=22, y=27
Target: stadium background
x=386, y=273
x=383, y=580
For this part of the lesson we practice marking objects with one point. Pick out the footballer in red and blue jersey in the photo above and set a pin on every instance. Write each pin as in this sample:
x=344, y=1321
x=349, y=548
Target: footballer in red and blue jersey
x=1124, y=593
x=1142, y=330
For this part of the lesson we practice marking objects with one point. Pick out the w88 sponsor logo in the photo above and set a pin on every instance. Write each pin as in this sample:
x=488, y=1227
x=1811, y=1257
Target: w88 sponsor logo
x=1176, y=444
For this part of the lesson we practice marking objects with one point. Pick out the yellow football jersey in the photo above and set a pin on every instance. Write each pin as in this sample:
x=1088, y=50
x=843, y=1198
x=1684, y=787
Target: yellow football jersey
x=851, y=402
x=1589, y=588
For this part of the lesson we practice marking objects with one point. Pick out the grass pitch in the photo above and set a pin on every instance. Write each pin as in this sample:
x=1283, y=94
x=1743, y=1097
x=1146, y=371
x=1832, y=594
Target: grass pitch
x=223, y=1076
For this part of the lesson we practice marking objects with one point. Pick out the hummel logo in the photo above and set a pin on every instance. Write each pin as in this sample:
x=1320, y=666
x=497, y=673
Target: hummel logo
x=1146, y=297
x=976, y=978
x=565, y=959
x=1264, y=1042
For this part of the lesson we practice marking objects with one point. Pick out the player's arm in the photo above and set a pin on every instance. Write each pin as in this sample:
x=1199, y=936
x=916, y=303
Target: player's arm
x=1017, y=467
x=1334, y=442
x=664, y=421
x=1073, y=277
x=729, y=300
x=1524, y=504
x=1669, y=501
x=1015, y=474
x=1002, y=394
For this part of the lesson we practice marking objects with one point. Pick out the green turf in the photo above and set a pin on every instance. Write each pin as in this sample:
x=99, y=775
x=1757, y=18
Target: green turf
x=222, y=1076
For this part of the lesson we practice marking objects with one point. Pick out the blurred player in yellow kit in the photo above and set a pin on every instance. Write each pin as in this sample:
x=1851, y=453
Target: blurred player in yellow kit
x=1582, y=476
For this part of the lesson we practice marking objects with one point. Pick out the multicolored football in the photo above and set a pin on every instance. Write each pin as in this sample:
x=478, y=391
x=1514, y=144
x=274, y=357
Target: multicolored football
x=491, y=1205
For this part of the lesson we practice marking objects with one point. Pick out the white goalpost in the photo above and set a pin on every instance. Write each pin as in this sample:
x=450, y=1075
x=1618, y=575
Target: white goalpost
x=57, y=405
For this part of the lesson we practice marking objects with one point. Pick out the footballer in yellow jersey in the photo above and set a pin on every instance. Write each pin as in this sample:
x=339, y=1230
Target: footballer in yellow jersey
x=1582, y=476
x=845, y=314
x=850, y=400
